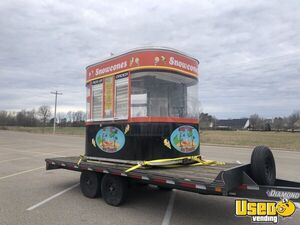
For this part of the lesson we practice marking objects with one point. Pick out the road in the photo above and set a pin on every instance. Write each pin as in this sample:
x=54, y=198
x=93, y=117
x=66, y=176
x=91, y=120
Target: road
x=31, y=195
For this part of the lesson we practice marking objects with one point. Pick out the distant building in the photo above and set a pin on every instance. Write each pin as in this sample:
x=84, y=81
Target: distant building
x=233, y=124
x=247, y=124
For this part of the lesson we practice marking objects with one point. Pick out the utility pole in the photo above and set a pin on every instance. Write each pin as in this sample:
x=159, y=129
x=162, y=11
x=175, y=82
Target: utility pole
x=54, y=119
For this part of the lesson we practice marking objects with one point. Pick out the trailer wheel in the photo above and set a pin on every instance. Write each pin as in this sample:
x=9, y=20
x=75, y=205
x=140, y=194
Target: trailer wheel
x=114, y=189
x=90, y=184
x=263, y=167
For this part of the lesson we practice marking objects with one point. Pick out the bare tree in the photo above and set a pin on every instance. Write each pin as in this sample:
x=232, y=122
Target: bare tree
x=70, y=116
x=292, y=119
x=62, y=119
x=256, y=122
x=44, y=112
x=207, y=121
x=278, y=123
x=31, y=118
x=3, y=117
x=79, y=116
x=26, y=118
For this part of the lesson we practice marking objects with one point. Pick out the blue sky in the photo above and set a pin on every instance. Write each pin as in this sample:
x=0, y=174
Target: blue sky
x=249, y=51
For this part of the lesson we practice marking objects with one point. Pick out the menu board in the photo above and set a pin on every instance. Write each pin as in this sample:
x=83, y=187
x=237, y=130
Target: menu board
x=108, y=97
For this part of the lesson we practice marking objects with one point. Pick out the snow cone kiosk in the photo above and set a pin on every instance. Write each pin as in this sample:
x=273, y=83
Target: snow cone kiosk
x=142, y=105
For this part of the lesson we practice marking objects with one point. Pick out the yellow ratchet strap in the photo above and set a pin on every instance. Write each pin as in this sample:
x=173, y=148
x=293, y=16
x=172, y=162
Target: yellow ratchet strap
x=186, y=160
x=81, y=158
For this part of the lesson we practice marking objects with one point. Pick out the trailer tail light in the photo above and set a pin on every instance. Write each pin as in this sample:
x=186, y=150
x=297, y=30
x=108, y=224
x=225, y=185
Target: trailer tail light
x=248, y=187
x=218, y=189
x=243, y=187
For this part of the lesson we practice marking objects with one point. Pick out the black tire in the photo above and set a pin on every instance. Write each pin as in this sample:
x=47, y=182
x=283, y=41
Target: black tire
x=114, y=189
x=90, y=184
x=263, y=167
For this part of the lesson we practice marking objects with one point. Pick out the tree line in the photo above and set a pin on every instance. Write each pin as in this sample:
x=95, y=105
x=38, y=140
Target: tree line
x=41, y=117
x=256, y=122
x=289, y=123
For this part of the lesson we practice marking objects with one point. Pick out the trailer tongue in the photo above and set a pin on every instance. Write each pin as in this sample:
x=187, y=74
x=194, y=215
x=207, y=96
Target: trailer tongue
x=142, y=126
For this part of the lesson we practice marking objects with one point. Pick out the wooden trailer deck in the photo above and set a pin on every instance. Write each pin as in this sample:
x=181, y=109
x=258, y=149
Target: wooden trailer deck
x=205, y=178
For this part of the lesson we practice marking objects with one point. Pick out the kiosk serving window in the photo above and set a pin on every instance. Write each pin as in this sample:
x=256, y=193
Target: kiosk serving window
x=139, y=98
x=97, y=100
x=153, y=94
x=163, y=94
x=109, y=96
x=121, y=96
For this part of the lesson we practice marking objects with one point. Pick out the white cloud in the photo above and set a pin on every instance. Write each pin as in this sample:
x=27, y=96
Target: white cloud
x=249, y=51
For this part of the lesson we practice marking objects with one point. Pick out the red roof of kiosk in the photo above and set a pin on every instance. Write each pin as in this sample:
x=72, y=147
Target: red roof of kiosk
x=144, y=58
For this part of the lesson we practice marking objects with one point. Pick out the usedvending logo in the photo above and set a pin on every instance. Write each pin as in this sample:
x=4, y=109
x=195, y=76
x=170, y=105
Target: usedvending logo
x=264, y=212
x=110, y=139
x=185, y=139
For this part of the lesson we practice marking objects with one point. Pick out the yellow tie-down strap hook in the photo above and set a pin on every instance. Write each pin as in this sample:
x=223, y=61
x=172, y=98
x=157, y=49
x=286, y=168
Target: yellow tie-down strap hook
x=186, y=160
x=81, y=158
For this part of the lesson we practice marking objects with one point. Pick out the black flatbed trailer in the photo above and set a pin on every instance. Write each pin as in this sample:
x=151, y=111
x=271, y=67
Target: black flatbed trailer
x=231, y=179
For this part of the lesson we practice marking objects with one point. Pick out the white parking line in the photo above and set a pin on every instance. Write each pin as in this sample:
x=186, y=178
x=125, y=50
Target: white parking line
x=6, y=153
x=168, y=213
x=35, y=152
x=22, y=172
x=8, y=160
x=52, y=197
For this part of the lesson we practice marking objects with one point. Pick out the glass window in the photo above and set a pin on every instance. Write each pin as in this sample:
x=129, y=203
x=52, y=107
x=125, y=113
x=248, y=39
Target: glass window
x=139, y=97
x=193, y=103
x=121, y=96
x=163, y=94
x=88, y=104
x=97, y=100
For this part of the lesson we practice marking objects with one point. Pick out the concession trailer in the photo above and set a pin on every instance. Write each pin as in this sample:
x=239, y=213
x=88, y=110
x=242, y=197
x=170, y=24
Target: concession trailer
x=142, y=126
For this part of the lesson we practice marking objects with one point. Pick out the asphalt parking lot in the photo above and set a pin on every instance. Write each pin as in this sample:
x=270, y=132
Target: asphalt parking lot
x=31, y=195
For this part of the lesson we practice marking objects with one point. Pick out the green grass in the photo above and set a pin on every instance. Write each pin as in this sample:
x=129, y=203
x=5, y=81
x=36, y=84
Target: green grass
x=283, y=140
x=47, y=130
